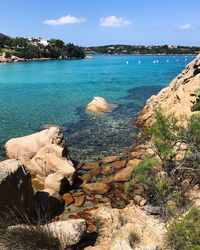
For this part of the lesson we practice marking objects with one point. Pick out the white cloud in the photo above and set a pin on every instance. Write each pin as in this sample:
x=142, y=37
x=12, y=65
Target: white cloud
x=114, y=21
x=186, y=26
x=65, y=20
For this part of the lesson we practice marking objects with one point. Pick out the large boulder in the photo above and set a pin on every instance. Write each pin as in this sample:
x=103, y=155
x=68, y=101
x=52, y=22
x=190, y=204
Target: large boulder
x=98, y=104
x=177, y=98
x=16, y=193
x=46, y=157
x=27, y=146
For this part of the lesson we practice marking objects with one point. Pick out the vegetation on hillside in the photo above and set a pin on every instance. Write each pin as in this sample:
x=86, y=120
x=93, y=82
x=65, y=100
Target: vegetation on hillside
x=137, y=49
x=185, y=233
x=29, y=49
x=173, y=167
x=196, y=105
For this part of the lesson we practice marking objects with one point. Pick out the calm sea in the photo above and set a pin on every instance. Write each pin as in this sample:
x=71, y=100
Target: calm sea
x=36, y=94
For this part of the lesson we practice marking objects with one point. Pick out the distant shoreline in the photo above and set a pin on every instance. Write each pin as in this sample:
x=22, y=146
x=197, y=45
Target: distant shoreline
x=18, y=60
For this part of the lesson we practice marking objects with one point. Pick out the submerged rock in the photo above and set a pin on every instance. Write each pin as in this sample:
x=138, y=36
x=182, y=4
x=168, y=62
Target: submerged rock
x=98, y=104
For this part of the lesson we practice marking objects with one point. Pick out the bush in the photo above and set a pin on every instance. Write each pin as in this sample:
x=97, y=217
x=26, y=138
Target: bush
x=18, y=231
x=196, y=105
x=185, y=234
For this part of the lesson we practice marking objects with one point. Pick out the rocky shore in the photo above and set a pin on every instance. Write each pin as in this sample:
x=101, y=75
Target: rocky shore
x=87, y=203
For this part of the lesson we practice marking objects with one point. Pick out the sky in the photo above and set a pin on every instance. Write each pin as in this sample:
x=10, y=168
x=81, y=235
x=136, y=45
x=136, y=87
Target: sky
x=101, y=22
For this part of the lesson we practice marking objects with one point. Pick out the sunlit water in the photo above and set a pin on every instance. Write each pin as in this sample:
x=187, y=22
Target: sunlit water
x=35, y=94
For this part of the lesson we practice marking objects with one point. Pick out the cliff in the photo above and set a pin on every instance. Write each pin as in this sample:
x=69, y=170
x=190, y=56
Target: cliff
x=177, y=98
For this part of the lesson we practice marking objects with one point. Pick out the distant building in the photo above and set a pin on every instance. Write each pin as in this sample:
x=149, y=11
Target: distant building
x=37, y=41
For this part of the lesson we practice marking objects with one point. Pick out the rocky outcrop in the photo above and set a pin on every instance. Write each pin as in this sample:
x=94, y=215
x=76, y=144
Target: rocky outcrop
x=27, y=146
x=15, y=188
x=46, y=157
x=99, y=104
x=118, y=228
x=177, y=98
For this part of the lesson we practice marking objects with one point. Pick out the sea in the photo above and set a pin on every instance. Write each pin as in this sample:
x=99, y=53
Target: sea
x=36, y=95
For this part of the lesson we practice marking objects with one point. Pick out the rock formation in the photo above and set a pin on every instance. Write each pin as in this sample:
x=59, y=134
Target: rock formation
x=45, y=155
x=177, y=98
x=28, y=146
x=116, y=228
x=99, y=104
x=15, y=188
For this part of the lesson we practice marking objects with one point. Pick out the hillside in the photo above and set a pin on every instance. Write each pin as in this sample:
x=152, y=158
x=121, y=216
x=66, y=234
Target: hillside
x=141, y=49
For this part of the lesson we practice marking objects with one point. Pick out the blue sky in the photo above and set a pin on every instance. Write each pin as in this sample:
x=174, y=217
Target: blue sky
x=98, y=22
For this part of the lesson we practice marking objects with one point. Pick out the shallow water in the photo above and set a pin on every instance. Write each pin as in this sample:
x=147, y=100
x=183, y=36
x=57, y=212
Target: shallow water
x=56, y=92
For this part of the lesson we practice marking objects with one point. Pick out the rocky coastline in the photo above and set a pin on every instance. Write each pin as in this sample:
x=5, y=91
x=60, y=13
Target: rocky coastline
x=87, y=202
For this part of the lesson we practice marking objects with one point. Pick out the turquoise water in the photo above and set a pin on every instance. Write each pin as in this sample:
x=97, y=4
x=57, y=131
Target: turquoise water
x=35, y=94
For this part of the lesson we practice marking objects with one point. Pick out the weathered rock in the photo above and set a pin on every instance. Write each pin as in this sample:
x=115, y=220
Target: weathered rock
x=110, y=159
x=58, y=182
x=15, y=188
x=133, y=163
x=79, y=201
x=125, y=173
x=95, y=188
x=98, y=104
x=46, y=157
x=27, y=146
x=177, y=98
x=90, y=165
x=130, y=220
x=112, y=167
x=68, y=198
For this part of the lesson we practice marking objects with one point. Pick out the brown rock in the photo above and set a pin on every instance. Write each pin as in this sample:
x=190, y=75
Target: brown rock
x=90, y=165
x=134, y=163
x=68, y=199
x=79, y=201
x=138, y=154
x=86, y=178
x=125, y=174
x=106, y=180
x=112, y=167
x=95, y=188
x=109, y=159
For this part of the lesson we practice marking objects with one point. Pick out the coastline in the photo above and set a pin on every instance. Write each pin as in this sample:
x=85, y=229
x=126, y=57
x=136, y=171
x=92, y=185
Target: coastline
x=17, y=60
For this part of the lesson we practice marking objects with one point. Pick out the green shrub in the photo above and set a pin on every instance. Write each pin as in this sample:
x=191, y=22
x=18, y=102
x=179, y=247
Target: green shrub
x=196, y=105
x=142, y=173
x=185, y=234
